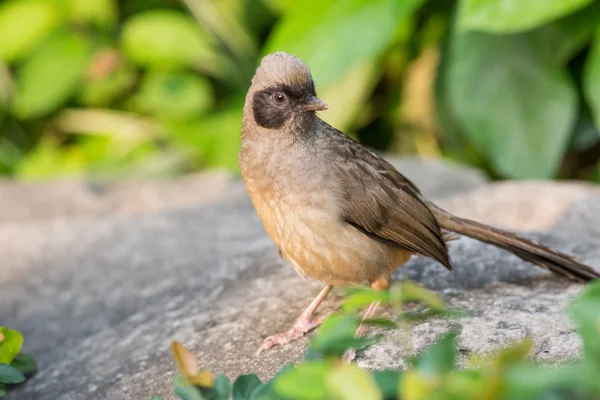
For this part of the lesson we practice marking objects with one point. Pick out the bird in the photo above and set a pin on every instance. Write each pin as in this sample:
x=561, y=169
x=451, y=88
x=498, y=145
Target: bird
x=337, y=211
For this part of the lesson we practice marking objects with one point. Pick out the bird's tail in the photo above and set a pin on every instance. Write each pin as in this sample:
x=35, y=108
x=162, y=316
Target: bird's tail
x=529, y=250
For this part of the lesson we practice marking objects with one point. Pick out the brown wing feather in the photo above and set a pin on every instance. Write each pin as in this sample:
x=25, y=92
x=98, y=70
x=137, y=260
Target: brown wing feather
x=383, y=204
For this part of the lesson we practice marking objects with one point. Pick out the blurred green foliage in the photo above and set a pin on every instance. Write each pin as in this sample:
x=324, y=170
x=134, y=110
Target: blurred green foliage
x=15, y=366
x=434, y=374
x=156, y=87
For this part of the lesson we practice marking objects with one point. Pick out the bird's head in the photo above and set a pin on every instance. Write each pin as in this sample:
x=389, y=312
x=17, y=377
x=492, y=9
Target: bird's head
x=282, y=93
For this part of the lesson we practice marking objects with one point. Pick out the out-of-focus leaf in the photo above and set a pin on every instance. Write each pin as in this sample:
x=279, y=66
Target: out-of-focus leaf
x=562, y=38
x=440, y=358
x=102, y=13
x=306, y=381
x=414, y=386
x=381, y=322
x=186, y=390
x=591, y=79
x=268, y=390
x=346, y=97
x=244, y=385
x=388, y=382
x=174, y=95
x=585, y=310
x=107, y=78
x=349, y=382
x=51, y=76
x=24, y=24
x=510, y=16
x=337, y=334
x=333, y=24
x=25, y=363
x=363, y=298
x=156, y=397
x=10, y=345
x=187, y=364
x=2, y=389
x=513, y=101
x=407, y=291
x=515, y=354
x=215, y=139
x=223, y=387
x=9, y=374
x=166, y=39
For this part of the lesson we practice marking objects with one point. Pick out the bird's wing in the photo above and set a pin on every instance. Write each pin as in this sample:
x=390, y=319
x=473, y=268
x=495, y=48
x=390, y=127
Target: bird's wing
x=382, y=203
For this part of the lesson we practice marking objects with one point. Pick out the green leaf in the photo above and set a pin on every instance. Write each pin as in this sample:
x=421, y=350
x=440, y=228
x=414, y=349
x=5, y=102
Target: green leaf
x=325, y=34
x=387, y=381
x=9, y=374
x=10, y=344
x=363, y=298
x=585, y=311
x=336, y=335
x=306, y=381
x=561, y=39
x=349, y=382
x=222, y=387
x=591, y=79
x=215, y=139
x=440, y=358
x=407, y=291
x=51, y=76
x=513, y=102
x=244, y=385
x=156, y=397
x=268, y=390
x=175, y=95
x=24, y=24
x=25, y=363
x=511, y=16
x=185, y=390
x=101, y=13
x=2, y=389
x=166, y=39
x=382, y=322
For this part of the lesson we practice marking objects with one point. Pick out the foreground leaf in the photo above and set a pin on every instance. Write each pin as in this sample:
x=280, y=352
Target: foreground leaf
x=10, y=345
x=10, y=375
x=244, y=385
x=306, y=381
x=185, y=389
x=25, y=363
x=349, y=382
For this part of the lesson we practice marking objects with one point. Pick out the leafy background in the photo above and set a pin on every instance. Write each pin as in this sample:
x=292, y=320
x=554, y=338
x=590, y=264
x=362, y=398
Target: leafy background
x=108, y=88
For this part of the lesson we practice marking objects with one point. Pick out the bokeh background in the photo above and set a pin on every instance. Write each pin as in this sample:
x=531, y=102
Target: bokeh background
x=146, y=88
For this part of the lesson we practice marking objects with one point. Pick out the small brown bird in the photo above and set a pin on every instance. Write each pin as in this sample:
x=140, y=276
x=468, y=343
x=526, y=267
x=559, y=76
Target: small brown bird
x=337, y=211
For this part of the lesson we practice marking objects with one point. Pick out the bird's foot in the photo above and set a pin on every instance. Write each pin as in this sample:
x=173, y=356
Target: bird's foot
x=302, y=326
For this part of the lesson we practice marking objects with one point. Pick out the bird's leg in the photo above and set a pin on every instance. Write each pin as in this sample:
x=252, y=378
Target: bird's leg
x=351, y=354
x=383, y=283
x=303, y=324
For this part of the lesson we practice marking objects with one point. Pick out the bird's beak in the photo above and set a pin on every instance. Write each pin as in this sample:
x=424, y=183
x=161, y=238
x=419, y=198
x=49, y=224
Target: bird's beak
x=314, y=104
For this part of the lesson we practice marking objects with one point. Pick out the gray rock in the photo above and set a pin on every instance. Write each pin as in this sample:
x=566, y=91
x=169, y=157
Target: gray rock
x=100, y=295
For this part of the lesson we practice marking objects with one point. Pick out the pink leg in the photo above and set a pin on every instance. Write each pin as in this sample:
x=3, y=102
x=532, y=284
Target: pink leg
x=351, y=354
x=303, y=324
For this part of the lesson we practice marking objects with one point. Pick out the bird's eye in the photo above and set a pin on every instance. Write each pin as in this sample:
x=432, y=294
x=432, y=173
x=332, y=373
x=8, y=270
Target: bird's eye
x=279, y=98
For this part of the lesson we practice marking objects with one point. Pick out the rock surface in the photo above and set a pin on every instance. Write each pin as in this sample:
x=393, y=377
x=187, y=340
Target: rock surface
x=100, y=281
